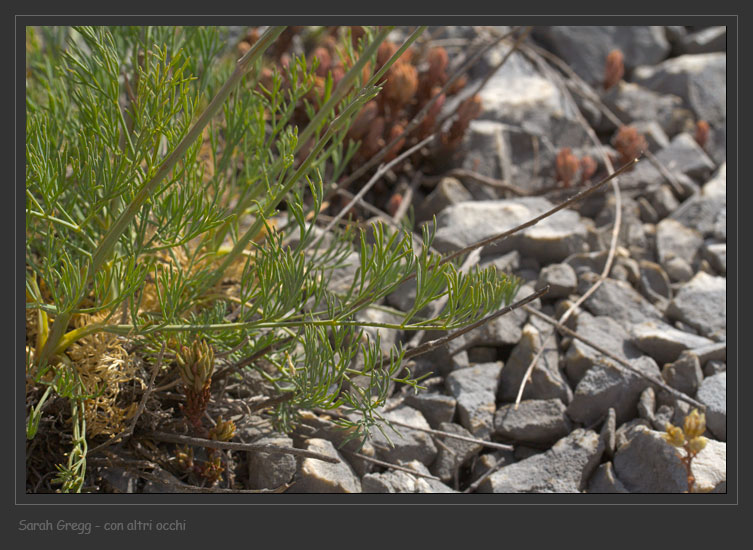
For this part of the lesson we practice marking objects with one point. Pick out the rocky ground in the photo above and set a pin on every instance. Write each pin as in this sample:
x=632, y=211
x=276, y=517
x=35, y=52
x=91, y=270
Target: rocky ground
x=585, y=423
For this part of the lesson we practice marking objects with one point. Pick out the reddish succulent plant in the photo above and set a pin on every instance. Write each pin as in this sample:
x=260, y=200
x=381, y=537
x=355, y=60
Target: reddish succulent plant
x=614, y=69
x=702, y=130
x=629, y=143
x=567, y=166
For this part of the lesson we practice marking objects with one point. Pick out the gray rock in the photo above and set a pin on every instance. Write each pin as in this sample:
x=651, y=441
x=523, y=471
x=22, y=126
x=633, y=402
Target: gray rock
x=717, y=185
x=518, y=95
x=608, y=433
x=712, y=352
x=647, y=404
x=453, y=453
x=664, y=342
x=604, y=480
x=475, y=389
x=674, y=240
x=663, y=200
x=648, y=464
x=585, y=49
x=627, y=430
x=702, y=304
x=630, y=102
x=404, y=444
x=546, y=380
x=606, y=386
x=551, y=240
x=502, y=331
x=708, y=40
x=713, y=394
x=561, y=278
x=706, y=214
x=663, y=416
x=538, y=421
x=648, y=213
x=678, y=269
x=684, y=374
x=565, y=468
x=699, y=79
x=435, y=407
x=714, y=367
x=448, y=191
x=317, y=476
x=586, y=262
x=685, y=156
x=388, y=482
x=654, y=283
x=618, y=300
x=504, y=263
x=398, y=481
x=716, y=254
x=271, y=470
x=485, y=462
x=321, y=428
x=604, y=332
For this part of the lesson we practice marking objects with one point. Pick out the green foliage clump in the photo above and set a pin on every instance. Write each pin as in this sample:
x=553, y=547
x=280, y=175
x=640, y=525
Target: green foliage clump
x=170, y=199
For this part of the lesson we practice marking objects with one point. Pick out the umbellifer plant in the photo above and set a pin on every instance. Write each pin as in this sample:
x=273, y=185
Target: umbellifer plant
x=158, y=170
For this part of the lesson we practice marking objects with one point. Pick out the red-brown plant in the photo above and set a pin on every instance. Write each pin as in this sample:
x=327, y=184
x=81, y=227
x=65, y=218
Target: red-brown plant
x=567, y=166
x=614, y=69
x=629, y=143
x=702, y=130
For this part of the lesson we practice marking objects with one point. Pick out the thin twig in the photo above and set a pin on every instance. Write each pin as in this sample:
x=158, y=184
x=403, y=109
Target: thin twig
x=129, y=431
x=181, y=487
x=252, y=447
x=439, y=433
x=389, y=465
x=563, y=329
x=250, y=359
x=402, y=210
x=271, y=402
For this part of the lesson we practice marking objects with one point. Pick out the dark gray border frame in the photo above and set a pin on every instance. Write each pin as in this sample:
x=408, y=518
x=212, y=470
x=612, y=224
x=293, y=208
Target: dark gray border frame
x=194, y=507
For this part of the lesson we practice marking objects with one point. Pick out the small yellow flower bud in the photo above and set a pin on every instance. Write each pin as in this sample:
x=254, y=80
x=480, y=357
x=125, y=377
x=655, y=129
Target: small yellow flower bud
x=697, y=444
x=695, y=424
x=674, y=435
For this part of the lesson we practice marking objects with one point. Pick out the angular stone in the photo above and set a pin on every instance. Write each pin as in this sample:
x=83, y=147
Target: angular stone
x=663, y=342
x=538, y=421
x=707, y=215
x=618, y=300
x=708, y=40
x=699, y=79
x=608, y=432
x=551, y=240
x=713, y=394
x=453, y=453
x=702, y=304
x=654, y=283
x=631, y=102
x=714, y=367
x=604, y=332
x=585, y=48
x=271, y=470
x=716, y=254
x=606, y=386
x=648, y=464
x=546, y=380
x=561, y=279
x=407, y=444
x=448, y=191
x=684, y=374
x=647, y=404
x=436, y=407
x=317, y=476
x=475, y=390
x=673, y=239
x=565, y=468
x=604, y=480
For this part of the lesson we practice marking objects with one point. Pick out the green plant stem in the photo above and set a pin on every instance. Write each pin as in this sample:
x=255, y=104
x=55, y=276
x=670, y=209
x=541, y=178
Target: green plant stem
x=108, y=242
